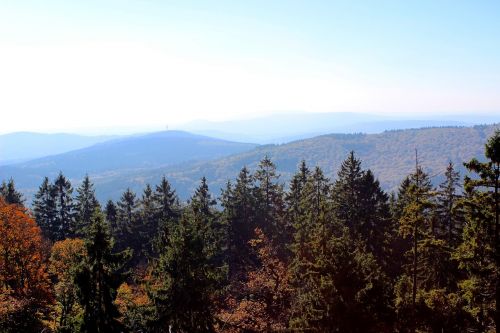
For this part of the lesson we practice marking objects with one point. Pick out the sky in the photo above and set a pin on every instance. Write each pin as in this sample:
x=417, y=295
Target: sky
x=82, y=65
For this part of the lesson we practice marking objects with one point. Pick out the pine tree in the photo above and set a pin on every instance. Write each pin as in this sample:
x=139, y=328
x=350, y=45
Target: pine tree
x=85, y=205
x=10, y=194
x=480, y=252
x=98, y=278
x=44, y=209
x=239, y=217
x=111, y=212
x=449, y=208
x=270, y=200
x=360, y=204
x=167, y=201
x=424, y=295
x=294, y=195
x=128, y=226
x=186, y=275
x=149, y=221
x=311, y=235
x=65, y=216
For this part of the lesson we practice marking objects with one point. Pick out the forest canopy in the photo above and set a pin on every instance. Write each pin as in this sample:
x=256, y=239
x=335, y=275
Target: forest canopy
x=315, y=254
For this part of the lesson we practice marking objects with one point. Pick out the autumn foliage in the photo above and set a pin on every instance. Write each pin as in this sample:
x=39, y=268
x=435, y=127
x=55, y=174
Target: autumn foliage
x=24, y=283
x=265, y=295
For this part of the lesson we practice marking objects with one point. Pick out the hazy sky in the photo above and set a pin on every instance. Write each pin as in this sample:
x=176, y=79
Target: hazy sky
x=69, y=65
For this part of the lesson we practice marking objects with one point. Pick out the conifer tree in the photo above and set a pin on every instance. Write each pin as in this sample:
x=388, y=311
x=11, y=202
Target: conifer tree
x=294, y=195
x=111, y=212
x=167, y=202
x=44, y=209
x=65, y=215
x=10, y=194
x=128, y=226
x=148, y=228
x=449, y=208
x=98, y=278
x=85, y=204
x=479, y=254
x=270, y=200
x=239, y=217
x=424, y=295
x=360, y=204
x=187, y=275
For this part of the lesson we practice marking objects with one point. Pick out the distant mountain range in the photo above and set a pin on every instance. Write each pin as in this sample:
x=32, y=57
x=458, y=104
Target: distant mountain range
x=23, y=146
x=184, y=158
x=118, y=156
x=286, y=127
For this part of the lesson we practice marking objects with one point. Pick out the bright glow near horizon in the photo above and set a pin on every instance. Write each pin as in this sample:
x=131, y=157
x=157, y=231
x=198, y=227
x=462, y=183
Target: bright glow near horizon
x=146, y=64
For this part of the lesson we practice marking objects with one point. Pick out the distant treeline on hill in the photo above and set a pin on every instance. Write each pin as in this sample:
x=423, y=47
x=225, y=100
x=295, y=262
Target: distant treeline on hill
x=318, y=256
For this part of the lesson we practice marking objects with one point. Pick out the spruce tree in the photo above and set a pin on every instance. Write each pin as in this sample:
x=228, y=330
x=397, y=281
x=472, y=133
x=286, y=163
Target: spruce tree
x=128, y=226
x=85, y=205
x=239, y=217
x=44, y=209
x=294, y=195
x=449, y=208
x=65, y=214
x=148, y=228
x=424, y=293
x=10, y=194
x=111, y=212
x=480, y=251
x=166, y=201
x=98, y=278
x=187, y=273
x=360, y=204
x=270, y=200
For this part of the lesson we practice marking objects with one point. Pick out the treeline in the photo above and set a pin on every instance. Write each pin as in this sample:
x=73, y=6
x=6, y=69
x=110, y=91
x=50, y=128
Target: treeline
x=318, y=256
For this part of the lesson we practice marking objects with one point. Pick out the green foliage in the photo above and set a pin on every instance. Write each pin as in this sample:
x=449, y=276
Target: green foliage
x=10, y=194
x=85, y=205
x=98, y=278
x=188, y=272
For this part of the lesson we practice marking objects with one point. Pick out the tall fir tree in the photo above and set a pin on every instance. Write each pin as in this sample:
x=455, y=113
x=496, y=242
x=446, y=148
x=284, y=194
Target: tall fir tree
x=449, y=208
x=186, y=276
x=85, y=205
x=65, y=214
x=239, y=216
x=10, y=194
x=293, y=196
x=479, y=254
x=44, y=209
x=98, y=278
x=111, y=213
x=128, y=225
x=360, y=204
x=270, y=200
x=149, y=225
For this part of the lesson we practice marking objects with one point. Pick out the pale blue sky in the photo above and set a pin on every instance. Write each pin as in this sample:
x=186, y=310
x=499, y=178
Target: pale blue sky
x=80, y=64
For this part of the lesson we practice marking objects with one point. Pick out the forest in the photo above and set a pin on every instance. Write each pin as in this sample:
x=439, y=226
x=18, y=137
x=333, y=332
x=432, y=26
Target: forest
x=312, y=255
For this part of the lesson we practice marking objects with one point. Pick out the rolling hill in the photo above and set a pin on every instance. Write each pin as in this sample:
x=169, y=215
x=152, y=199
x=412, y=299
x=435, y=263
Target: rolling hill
x=116, y=157
x=390, y=155
x=22, y=146
x=119, y=164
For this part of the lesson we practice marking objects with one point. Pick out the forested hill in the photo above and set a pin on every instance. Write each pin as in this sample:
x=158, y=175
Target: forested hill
x=129, y=163
x=391, y=155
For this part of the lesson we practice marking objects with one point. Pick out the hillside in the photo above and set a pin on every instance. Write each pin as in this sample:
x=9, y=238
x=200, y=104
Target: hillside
x=22, y=146
x=303, y=125
x=391, y=155
x=133, y=162
x=116, y=157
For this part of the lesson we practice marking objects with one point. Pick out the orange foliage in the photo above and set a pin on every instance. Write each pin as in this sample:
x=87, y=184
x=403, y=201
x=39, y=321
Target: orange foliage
x=266, y=294
x=64, y=259
x=24, y=283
